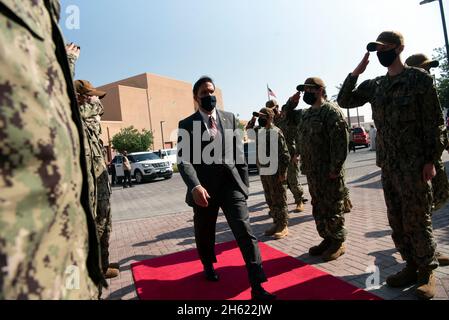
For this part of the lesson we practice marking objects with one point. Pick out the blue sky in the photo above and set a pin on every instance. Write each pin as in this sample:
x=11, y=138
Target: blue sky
x=244, y=44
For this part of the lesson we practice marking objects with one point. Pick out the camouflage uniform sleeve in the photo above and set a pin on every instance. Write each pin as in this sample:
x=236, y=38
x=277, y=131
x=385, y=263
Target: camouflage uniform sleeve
x=292, y=149
x=297, y=116
x=283, y=154
x=298, y=119
x=338, y=137
x=434, y=129
x=291, y=113
x=349, y=97
x=72, y=61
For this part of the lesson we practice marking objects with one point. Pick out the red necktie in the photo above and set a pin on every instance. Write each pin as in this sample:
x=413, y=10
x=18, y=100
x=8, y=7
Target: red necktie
x=212, y=127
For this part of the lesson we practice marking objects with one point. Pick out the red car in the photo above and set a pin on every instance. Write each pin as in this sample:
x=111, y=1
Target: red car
x=359, y=137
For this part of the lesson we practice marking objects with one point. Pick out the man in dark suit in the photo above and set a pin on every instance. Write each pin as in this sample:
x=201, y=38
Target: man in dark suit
x=212, y=165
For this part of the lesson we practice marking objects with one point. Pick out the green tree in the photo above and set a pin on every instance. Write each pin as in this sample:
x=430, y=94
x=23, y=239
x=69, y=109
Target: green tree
x=442, y=81
x=131, y=140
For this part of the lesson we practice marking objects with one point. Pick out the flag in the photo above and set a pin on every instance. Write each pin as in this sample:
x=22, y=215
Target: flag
x=270, y=92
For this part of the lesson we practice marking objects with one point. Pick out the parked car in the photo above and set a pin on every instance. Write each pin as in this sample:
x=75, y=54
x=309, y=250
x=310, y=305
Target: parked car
x=144, y=166
x=249, y=148
x=359, y=137
x=168, y=154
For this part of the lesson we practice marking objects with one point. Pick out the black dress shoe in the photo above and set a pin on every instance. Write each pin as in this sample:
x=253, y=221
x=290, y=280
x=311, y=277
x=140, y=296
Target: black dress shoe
x=262, y=295
x=210, y=273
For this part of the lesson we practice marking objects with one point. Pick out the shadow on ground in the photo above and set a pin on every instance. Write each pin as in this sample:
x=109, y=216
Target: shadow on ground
x=366, y=177
x=378, y=234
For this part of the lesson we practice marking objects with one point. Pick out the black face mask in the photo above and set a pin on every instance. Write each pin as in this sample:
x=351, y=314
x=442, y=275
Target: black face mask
x=263, y=122
x=386, y=58
x=309, y=98
x=209, y=103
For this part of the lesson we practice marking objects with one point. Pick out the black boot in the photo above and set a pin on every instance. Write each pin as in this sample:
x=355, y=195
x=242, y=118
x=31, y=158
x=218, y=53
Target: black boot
x=258, y=293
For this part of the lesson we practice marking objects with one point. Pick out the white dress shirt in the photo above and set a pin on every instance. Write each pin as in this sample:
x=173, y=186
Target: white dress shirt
x=205, y=117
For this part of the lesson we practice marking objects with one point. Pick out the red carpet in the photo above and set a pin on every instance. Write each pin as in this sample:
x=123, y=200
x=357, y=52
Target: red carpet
x=179, y=276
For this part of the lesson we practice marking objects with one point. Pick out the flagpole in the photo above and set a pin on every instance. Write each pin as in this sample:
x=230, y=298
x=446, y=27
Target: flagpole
x=268, y=92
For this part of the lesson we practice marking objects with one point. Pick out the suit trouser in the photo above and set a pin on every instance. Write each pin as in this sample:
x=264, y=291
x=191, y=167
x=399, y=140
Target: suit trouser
x=233, y=203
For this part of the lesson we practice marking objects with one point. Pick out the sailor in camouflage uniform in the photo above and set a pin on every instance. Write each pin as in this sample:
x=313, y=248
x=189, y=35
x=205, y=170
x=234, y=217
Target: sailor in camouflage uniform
x=48, y=242
x=294, y=117
x=91, y=111
x=290, y=130
x=73, y=52
x=323, y=143
x=440, y=183
x=411, y=136
x=274, y=185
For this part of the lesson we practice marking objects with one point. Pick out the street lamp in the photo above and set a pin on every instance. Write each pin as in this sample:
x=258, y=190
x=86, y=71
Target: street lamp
x=444, y=22
x=162, y=132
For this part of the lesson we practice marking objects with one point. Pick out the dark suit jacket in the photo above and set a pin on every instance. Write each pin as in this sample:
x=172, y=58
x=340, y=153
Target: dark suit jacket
x=203, y=174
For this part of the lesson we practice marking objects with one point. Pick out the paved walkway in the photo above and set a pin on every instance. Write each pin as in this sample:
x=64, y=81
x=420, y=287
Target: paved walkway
x=368, y=245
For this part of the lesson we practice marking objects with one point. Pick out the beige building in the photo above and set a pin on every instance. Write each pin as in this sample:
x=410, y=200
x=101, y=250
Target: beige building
x=151, y=102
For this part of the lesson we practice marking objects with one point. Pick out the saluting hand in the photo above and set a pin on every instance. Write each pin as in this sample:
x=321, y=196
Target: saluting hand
x=200, y=196
x=73, y=49
x=362, y=66
x=295, y=98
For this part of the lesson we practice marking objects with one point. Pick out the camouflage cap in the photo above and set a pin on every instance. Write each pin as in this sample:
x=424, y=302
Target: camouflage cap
x=85, y=87
x=311, y=82
x=386, y=37
x=421, y=61
x=271, y=104
x=268, y=112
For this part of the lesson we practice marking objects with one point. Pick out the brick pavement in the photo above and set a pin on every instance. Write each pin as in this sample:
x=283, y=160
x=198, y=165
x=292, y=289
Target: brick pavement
x=369, y=241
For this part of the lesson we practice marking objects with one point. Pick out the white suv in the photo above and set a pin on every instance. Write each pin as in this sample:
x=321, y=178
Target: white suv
x=144, y=165
x=168, y=154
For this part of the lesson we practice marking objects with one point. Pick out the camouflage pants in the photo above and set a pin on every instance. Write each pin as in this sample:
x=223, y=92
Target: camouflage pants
x=346, y=193
x=276, y=197
x=440, y=185
x=293, y=182
x=327, y=202
x=104, y=229
x=409, y=199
